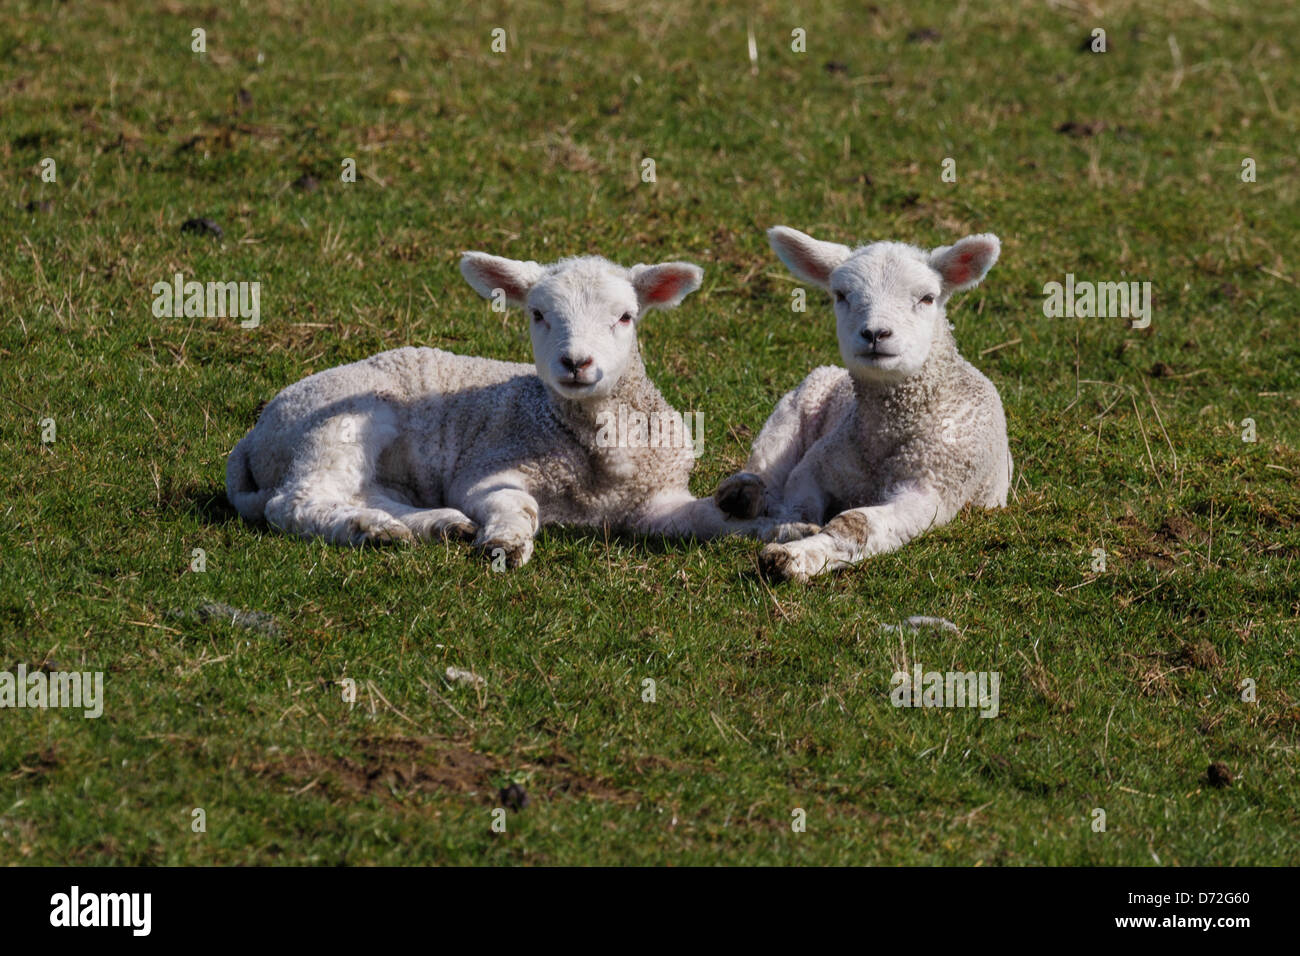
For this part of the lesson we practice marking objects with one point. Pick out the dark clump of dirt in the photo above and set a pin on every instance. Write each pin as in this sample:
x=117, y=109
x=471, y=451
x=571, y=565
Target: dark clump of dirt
x=394, y=768
x=1201, y=655
x=1086, y=128
x=835, y=66
x=1162, y=370
x=37, y=764
x=39, y=205
x=1218, y=775
x=924, y=35
x=1182, y=530
x=306, y=183
x=201, y=227
x=514, y=796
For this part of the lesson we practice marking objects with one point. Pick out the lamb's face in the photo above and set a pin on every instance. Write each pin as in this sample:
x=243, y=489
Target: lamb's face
x=889, y=297
x=583, y=321
x=582, y=313
x=887, y=311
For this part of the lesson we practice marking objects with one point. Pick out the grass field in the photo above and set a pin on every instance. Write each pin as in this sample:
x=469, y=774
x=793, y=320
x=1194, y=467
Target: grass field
x=1119, y=687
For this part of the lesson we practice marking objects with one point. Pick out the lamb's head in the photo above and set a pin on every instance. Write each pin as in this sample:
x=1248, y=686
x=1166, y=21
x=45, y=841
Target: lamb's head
x=583, y=312
x=889, y=297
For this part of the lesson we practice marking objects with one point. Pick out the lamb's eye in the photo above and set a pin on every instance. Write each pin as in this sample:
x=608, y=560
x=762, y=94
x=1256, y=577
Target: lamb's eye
x=537, y=315
x=626, y=318
x=840, y=296
x=927, y=300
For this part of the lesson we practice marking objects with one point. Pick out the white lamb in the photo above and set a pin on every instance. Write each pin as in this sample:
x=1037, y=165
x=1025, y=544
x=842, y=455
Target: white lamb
x=901, y=439
x=417, y=443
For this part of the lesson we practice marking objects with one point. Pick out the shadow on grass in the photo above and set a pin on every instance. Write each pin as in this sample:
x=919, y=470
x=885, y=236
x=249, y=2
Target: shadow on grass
x=600, y=537
x=207, y=503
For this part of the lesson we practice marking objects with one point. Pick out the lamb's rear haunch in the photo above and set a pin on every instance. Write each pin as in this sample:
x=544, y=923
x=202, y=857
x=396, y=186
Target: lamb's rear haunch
x=418, y=443
x=899, y=440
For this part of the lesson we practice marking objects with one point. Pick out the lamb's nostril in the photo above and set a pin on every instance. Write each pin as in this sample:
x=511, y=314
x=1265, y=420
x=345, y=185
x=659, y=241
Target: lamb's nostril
x=576, y=365
x=867, y=335
x=883, y=334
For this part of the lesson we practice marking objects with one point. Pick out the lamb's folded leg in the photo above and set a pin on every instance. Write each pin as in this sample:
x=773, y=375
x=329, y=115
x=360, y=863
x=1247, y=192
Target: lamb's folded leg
x=792, y=428
x=856, y=534
x=339, y=520
x=446, y=524
x=508, y=518
x=678, y=514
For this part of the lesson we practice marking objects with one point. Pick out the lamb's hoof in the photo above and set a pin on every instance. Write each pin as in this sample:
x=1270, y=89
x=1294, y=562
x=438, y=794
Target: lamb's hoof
x=458, y=531
x=377, y=531
x=505, y=554
x=777, y=563
x=791, y=531
x=741, y=495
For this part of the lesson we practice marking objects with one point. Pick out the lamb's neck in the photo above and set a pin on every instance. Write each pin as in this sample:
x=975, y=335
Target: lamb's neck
x=634, y=392
x=916, y=400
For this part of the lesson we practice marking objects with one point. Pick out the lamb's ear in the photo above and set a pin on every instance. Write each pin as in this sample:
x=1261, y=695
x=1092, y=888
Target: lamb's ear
x=665, y=285
x=963, y=264
x=809, y=259
x=488, y=273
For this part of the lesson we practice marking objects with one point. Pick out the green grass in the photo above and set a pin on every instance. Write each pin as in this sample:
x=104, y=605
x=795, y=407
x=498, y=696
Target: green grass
x=1119, y=688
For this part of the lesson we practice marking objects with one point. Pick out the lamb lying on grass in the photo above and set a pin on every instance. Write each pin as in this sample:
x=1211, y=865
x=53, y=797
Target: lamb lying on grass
x=901, y=439
x=418, y=443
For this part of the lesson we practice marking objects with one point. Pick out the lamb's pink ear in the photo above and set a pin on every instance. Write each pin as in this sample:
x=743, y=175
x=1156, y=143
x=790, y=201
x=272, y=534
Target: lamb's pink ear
x=963, y=264
x=488, y=273
x=809, y=259
x=665, y=285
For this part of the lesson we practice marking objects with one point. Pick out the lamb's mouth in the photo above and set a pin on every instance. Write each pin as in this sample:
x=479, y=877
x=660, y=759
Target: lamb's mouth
x=575, y=384
x=873, y=356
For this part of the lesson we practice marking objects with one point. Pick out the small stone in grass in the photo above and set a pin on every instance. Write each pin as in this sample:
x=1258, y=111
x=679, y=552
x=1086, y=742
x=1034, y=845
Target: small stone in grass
x=1219, y=775
x=201, y=227
x=919, y=622
x=257, y=621
x=457, y=675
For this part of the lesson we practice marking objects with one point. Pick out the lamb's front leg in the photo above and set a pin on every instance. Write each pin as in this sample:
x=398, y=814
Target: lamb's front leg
x=678, y=514
x=855, y=534
x=777, y=450
x=507, y=516
x=801, y=418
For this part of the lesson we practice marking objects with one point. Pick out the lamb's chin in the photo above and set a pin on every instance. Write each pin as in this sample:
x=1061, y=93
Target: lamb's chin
x=881, y=371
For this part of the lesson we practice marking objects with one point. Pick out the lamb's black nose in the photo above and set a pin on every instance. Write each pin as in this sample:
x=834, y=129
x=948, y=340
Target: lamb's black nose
x=869, y=336
x=576, y=365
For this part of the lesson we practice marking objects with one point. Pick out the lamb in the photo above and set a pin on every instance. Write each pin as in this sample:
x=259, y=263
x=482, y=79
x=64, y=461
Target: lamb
x=418, y=443
x=899, y=440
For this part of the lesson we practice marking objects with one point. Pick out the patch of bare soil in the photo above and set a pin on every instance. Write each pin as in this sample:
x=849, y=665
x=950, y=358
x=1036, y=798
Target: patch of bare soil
x=1176, y=538
x=395, y=768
